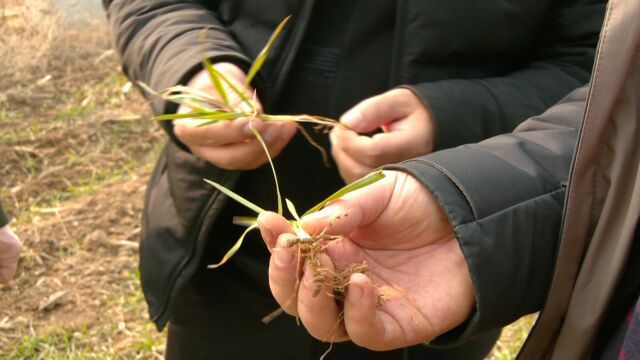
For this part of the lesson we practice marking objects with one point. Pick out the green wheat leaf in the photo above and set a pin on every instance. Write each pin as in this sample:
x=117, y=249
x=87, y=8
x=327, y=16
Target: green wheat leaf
x=273, y=169
x=196, y=93
x=215, y=79
x=367, y=180
x=257, y=64
x=292, y=209
x=214, y=118
x=236, y=197
x=234, y=248
x=194, y=115
x=188, y=101
x=234, y=88
x=245, y=221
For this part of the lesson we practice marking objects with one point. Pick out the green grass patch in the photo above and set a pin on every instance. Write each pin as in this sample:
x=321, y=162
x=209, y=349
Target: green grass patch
x=56, y=345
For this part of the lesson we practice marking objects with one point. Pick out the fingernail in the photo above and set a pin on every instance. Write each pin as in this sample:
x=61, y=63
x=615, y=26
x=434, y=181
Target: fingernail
x=283, y=258
x=246, y=129
x=352, y=119
x=270, y=134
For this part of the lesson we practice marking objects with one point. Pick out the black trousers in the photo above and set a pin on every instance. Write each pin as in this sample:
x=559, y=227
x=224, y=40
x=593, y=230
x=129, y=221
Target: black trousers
x=218, y=316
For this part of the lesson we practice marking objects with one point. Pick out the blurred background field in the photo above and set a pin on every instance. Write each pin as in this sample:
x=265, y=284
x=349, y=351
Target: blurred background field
x=77, y=145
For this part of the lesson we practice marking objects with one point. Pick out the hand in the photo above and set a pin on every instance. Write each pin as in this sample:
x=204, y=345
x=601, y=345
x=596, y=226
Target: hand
x=415, y=263
x=10, y=248
x=230, y=144
x=407, y=126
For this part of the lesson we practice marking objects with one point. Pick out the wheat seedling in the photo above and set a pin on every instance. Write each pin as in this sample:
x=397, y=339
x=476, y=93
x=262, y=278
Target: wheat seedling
x=208, y=109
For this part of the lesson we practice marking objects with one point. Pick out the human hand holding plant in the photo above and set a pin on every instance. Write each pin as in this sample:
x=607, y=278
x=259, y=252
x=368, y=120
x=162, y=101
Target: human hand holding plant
x=383, y=249
x=231, y=144
x=10, y=248
x=408, y=131
x=415, y=266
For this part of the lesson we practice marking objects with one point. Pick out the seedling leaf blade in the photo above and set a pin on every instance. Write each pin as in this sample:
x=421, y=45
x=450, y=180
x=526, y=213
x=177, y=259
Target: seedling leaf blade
x=216, y=117
x=273, y=169
x=236, y=197
x=234, y=88
x=234, y=248
x=147, y=88
x=215, y=79
x=360, y=183
x=245, y=221
x=292, y=209
x=259, y=61
x=194, y=115
x=188, y=101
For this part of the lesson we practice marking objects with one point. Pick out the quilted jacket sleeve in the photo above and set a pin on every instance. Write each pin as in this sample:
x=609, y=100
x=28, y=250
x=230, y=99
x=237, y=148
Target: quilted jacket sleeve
x=470, y=110
x=504, y=197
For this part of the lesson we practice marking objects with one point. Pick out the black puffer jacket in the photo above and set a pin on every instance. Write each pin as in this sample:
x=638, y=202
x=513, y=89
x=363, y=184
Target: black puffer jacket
x=482, y=67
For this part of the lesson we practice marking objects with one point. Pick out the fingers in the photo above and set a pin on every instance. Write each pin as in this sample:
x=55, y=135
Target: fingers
x=231, y=144
x=202, y=81
x=222, y=133
x=247, y=154
x=354, y=210
x=284, y=274
x=382, y=148
x=8, y=268
x=10, y=248
x=317, y=306
x=363, y=322
x=379, y=110
x=349, y=169
x=408, y=132
x=272, y=226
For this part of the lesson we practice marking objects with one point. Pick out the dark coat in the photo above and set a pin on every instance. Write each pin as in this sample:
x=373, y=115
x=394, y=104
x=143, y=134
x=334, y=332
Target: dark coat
x=547, y=216
x=4, y=219
x=482, y=68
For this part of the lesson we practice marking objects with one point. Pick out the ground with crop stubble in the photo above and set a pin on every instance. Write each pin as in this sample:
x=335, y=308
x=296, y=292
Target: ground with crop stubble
x=77, y=145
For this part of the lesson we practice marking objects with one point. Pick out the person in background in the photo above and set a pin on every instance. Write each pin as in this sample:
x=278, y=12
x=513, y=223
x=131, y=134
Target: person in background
x=10, y=248
x=469, y=239
x=409, y=77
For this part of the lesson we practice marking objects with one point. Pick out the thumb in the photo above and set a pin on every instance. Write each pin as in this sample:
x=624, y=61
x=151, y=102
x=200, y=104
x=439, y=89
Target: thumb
x=354, y=210
x=374, y=112
x=272, y=226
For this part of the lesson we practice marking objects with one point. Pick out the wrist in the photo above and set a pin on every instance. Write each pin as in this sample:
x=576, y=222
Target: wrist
x=427, y=117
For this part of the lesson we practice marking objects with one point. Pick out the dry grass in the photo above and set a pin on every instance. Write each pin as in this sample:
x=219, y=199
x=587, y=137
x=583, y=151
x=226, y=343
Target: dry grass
x=512, y=338
x=76, y=148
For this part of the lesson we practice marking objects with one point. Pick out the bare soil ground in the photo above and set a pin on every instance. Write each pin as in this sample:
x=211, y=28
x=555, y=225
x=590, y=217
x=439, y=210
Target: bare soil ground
x=77, y=145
